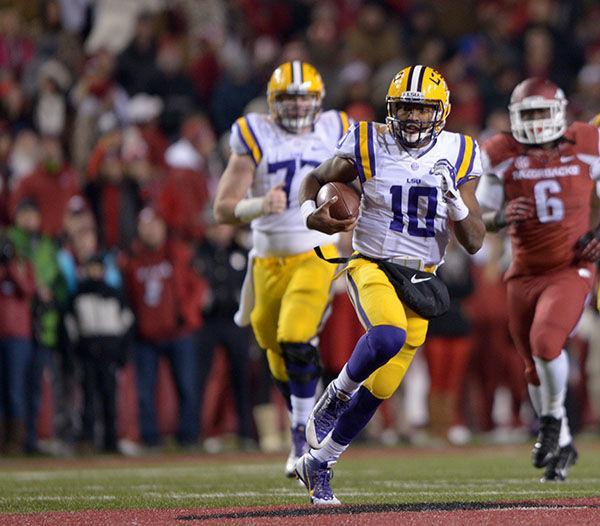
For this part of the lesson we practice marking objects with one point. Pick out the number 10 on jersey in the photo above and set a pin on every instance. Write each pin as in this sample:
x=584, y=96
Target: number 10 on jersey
x=426, y=196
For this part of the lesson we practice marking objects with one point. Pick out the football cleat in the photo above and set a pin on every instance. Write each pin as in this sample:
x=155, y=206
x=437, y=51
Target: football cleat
x=327, y=410
x=546, y=447
x=298, y=449
x=558, y=467
x=315, y=476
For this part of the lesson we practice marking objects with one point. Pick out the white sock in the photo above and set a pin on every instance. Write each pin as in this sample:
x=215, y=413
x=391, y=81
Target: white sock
x=535, y=395
x=344, y=383
x=301, y=408
x=565, y=432
x=553, y=376
x=331, y=451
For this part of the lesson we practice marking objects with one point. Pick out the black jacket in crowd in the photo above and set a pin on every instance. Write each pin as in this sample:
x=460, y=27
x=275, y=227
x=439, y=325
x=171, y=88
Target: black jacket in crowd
x=99, y=322
x=224, y=269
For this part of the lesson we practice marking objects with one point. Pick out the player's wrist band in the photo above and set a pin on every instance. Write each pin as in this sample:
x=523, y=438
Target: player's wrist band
x=307, y=208
x=248, y=209
x=457, y=210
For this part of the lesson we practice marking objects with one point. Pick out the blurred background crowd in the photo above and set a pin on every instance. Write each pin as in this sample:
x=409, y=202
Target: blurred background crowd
x=117, y=290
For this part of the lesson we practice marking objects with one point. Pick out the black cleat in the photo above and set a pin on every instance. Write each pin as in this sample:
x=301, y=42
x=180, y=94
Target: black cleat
x=546, y=447
x=558, y=467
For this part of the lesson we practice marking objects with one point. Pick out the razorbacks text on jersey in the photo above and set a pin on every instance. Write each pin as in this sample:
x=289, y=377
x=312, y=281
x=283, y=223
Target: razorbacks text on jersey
x=560, y=182
x=402, y=212
x=285, y=158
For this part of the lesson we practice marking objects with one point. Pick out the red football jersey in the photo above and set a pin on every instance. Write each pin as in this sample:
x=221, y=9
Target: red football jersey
x=560, y=183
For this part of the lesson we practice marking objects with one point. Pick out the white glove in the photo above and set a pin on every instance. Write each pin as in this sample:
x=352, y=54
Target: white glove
x=457, y=209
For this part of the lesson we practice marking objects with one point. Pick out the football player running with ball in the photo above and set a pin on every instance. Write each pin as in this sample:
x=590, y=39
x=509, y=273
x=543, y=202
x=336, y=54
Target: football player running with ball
x=416, y=179
x=287, y=289
x=540, y=184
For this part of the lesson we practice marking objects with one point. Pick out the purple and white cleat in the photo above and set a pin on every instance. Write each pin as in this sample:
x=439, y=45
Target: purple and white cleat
x=327, y=410
x=315, y=475
x=299, y=447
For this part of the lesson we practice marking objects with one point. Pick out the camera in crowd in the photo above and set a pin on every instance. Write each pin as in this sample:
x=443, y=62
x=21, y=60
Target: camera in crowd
x=7, y=249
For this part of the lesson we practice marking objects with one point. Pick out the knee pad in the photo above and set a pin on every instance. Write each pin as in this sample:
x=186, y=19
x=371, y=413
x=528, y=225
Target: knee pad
x=302, y=361
x=385, y=341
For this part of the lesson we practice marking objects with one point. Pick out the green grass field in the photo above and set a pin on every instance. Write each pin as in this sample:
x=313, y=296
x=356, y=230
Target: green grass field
x=380, y=476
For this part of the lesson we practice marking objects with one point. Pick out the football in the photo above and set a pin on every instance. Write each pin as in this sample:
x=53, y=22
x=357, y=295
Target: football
x=348, y=200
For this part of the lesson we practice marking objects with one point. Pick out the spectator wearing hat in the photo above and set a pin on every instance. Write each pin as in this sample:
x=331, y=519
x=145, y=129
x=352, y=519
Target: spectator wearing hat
x=185, y=191
x=50, y=113
x=174, y=86
x=94, y=96
x=136, y=64
x=165, y=295
x=98, y=324
x=17, y=289
x=77, y=216
x=50, y=295
x=143, y=113
x=51, y=185
x=115, y=201
x=81, y=244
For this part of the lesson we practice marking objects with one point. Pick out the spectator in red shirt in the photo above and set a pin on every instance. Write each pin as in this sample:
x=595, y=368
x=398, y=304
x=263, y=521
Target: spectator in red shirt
x=17, y=288
x=51, y=185
x=115, y=201
x=165, y=295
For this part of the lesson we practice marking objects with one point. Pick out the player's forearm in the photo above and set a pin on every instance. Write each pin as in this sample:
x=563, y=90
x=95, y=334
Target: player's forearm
x=336, y=169
x=309, y=188
x=470, y=232
x=236, y=212
x=224, y=211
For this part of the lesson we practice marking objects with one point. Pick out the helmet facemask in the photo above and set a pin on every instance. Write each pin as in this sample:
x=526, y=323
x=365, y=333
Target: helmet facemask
x=413, y=132
x=547, y=126
x=295, y=112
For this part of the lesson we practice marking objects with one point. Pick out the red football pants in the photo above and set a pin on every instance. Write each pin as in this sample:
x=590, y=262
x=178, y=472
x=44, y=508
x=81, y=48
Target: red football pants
x=543, y=311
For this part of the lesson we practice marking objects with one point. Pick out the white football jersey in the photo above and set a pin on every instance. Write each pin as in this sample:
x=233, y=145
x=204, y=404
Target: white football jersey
x=283, y=157
x=402, y=212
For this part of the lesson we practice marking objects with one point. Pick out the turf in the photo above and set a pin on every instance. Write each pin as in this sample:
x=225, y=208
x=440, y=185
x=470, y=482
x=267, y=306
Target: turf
x=382, y=476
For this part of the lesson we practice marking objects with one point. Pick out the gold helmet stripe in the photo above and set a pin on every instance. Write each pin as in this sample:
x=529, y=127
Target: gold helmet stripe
x=422, y=71
x=297, y=77
x=249, y=139
x=466, y=155
x=414, y=77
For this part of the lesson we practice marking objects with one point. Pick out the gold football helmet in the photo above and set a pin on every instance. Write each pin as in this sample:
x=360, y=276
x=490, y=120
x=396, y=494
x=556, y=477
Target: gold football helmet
x=418, y=104
x=295, y=92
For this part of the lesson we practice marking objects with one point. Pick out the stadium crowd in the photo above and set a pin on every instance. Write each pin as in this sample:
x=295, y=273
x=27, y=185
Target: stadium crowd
x=114, y=126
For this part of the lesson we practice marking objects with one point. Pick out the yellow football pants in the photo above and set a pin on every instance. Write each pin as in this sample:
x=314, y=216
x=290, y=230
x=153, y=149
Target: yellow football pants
x=292, y=294
x=376, y=303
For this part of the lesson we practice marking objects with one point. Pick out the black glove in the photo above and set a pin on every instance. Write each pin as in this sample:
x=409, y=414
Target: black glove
x=587, y=247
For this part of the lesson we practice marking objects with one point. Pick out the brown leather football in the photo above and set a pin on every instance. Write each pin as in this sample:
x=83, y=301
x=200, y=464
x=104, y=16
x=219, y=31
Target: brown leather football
x=348, y=200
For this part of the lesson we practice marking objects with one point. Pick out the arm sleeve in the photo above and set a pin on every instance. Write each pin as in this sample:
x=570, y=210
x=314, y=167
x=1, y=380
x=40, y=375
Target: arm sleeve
x=468, y=161
x=358, y=146
x=243, y=139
